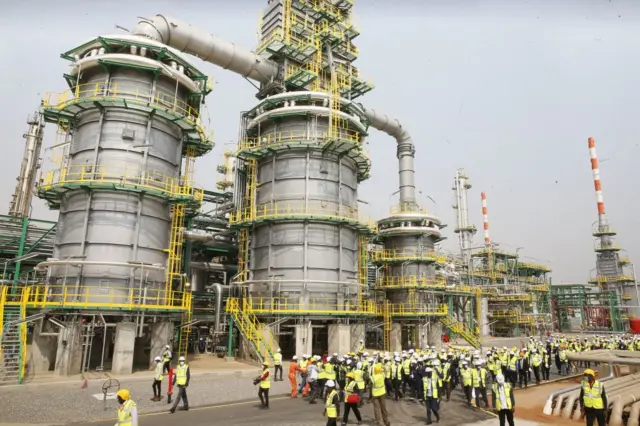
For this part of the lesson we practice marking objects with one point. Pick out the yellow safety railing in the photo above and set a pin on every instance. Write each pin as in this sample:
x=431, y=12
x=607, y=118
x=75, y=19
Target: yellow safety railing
x=288, y=137
x=626, y=296
x=417, y=308
x=534, y=266
x=132, y=93
x=121, y=176
x=604, y=247
x=299, y=41
x=620, y=278
x=294, y=305
x=95, y=297
x=410, y=281
x=510, y=298
x=624, y=260
x=503, y=313
x=462, y=289
x=407, y=208
x=313, y=210
x=407, y=254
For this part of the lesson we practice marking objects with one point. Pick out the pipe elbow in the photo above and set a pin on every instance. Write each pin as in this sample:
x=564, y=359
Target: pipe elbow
x=156, y=28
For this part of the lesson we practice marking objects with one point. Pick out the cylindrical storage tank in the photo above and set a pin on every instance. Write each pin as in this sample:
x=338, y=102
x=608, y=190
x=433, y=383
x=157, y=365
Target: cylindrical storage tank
x=306, y=252
x=115, y=207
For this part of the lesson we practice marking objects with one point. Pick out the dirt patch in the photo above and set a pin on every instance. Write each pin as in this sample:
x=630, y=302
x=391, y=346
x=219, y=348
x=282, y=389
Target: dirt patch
x=530, y=402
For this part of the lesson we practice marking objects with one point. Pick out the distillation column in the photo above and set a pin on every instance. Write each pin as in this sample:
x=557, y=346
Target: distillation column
x=464, y=230
x=133, y=113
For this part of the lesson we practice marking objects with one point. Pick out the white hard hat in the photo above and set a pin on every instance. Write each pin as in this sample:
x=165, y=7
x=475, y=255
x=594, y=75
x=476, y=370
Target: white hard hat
x=534, y=350
x=295, y=358
x=436, y=362
x=335, y=354
x=359, y=365
x=428, y=369
x=348, y=362
x=318, y=357
x=366, y=354
x=465, y=363
x=500, y=379
x=331, y=384
x=397, y=359
x=157, y=358
x=279, y=350
x=181, y=358
x=167, y=347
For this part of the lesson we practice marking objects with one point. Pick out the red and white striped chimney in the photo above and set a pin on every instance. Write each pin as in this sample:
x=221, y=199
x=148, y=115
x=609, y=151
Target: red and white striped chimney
x=602, y=218
x=485, y=219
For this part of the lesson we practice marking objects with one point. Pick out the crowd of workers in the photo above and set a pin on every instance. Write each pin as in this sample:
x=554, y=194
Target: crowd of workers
x=427, y=376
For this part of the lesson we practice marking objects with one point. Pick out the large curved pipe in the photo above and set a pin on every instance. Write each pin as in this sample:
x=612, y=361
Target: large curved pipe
x=634, y=414
x=186, y=38
x=194, y=41
x=629, y=397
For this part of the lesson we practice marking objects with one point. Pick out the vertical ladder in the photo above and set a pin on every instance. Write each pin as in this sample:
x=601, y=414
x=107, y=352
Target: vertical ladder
x=363, y=267
x=250, y=195
x=88, y=333
x=243, y=255
x=12, y=338
x=386, y=328
x=174, y=258
x=185, y=328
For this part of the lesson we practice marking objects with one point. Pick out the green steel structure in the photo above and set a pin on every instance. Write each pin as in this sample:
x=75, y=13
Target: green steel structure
x=584, y=308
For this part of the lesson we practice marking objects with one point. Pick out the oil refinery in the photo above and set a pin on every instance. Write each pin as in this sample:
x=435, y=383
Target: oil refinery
x=276, y=254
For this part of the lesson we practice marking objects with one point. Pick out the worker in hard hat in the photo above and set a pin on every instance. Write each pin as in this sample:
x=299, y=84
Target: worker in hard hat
x=332, y=404
x=351, y=399
x=378, y=392
x=181, y=378
x=467, y=381
x=293, y=369
x=166, y=358
x=303, y=376
x=312, y=380
x=265, y=385
x=430, y=393
x=504, y=403
x=593, y=399
x=128, y=411
x=361, y=346
x=536, y=362
x=277, y=363
x=157, y=379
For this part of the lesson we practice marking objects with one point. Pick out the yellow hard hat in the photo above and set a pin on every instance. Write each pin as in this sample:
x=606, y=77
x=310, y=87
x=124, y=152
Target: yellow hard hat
x=124, y=394
x=377, y=369
x=351, y=375
x=590, y=372
x=266, y=363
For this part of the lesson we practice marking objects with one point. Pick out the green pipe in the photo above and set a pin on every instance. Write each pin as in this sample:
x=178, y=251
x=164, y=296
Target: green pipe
x=230, y=340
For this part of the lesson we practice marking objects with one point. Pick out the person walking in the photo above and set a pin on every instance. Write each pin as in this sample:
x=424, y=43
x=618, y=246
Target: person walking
x=293, y=369
x=181, y=378
x=546, y=365
x=430, y=393
x=332, y=404
x=277, y=363
x=593, y=399
x=479, y=377
x=265, y=385
x=467, y=382
x=128, y=410
x=303, y=375
x=312, y=380
x=157, y=379
x=166, y=358
x=378, y=393
x=536, y=362
x=504, y=403
x=351, y=399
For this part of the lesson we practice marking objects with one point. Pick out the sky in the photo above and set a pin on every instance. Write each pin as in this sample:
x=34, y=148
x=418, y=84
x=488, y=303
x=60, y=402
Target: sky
x=508, y=90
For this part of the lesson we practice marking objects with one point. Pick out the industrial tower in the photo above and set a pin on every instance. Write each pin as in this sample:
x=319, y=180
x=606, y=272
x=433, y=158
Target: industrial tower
x=465, y=230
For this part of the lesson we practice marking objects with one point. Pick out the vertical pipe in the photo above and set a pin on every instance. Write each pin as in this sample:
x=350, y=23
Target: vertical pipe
x=23, y=237
x=602, y=218
x=485, y=219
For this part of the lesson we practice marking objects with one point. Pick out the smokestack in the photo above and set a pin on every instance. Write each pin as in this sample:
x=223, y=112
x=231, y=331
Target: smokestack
x=485, y=219
x=602, y=217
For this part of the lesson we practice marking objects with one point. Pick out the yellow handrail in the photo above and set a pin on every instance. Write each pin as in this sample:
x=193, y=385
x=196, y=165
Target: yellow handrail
x=401, y=254
x=408, y=281
x=287, y=137
x=122, y=176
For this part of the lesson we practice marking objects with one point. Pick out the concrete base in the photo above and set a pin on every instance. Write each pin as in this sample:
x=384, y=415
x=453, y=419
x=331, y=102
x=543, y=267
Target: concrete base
x=423, y=336
x=396, y=338
x=69, y=350
x=357, y=334
x=42, y=352
x=434, y=334
x=304, y=339
x=229, y=359
x=485, y=330
x=339, y=339
x=161, y=333
x=123, y=350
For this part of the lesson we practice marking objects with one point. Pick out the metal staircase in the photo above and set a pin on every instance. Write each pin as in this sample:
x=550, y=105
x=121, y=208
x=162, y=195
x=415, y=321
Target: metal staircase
x=185, y=329
x=259, y=335
x=12, y=338
x=459, y=328
x=386, y=331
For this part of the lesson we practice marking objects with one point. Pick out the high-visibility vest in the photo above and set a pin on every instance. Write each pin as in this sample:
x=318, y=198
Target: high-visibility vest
x=563, y=356
x=181, y=374
x=330, y=371
x=387, y=370
x=349, y=389
x=406, y=366
x=439, y=373
x=504, y=359
x=321, y=373
x=332, y=410
x=434, y=385
x=303, y=365
x=378, y=385
x=124, y=413
x=536, y=360
x=479, y=378
x=277, y=359
x=266, y=383
x=359, y=379
x=490, y=364
x=507, y=394
x=159, y=371
x=396, y=371
x=592, y=395
x=545, y=360
x=513, y=363
x=166, y=355
x=446, y=372
x=466, y=377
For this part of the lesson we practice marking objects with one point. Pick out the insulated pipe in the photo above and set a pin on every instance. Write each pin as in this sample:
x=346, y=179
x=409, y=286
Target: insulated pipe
x=75, y=262
x=634, y=413
x=186, y=38
x=630, y=396
x=614, y=387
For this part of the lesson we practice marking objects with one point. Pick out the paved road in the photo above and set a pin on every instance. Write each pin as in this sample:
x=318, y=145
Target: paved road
x=287, y=412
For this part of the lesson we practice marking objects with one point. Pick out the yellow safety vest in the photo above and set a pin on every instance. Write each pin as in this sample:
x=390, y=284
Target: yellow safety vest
x=277, y=359
x=321, y=373
x=378, y=385
x=445, y=372
x=330, y=371
x=124, y=413
x=349, y=389
x=536, y=360
x=466, y=377
x=266, y=383
x=159, y=371
x=166, y=355
x=396, y=371
x=434, y=385
x=303, y=365
x=387, y=371
x=507, y=394
x=406, y=366
x=359, y=379
x=563, y=356
x=592, y=395
x=332, y=410
x=181, y=374
x=513, y=363
x=504, y=359
x=479, y=379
